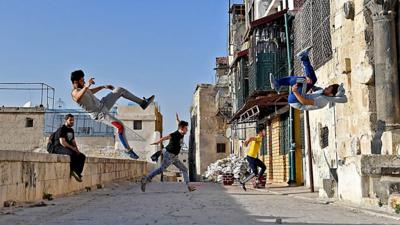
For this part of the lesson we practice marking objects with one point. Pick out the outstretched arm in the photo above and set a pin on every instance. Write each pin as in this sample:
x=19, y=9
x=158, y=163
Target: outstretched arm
x=177, y=119
x=248, y=140
x=97, y=89
x=161, y=140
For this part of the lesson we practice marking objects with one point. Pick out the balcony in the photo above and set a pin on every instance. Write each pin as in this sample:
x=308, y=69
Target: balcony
x=224, y=103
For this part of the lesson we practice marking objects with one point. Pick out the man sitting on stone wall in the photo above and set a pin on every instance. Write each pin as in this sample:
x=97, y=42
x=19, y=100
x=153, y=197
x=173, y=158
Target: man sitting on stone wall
x=65, y=144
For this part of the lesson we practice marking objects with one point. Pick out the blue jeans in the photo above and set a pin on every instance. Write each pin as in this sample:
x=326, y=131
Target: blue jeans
x=168, y=159
x=254, y=163
x=292, y=80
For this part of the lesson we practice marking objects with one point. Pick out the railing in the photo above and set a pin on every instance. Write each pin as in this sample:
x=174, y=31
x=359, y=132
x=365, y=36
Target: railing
x=84, y=125
x=47, y=93
x=224, y=103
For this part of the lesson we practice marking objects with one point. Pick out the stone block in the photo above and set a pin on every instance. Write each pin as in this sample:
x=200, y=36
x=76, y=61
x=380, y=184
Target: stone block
x=394, y=200
x=12, y=192
x=384, y=189
x=39, y=190
x=5, y=173
x=50, y=171
x=3, y=194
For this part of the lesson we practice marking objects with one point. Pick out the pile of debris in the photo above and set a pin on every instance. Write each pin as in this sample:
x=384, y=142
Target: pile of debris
x=231, y=165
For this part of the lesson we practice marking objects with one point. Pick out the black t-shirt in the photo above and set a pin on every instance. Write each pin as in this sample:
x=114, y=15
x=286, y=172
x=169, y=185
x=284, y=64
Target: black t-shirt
x=175, y=143
x=64, y=132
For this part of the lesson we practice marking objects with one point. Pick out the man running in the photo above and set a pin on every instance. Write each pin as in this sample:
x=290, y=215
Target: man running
x=170, y=156
x=252, y=156
x=100, y=109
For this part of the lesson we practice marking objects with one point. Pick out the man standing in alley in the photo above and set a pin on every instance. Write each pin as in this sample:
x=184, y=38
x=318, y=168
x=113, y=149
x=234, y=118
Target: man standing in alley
x=64, y=144
x=252, y=156
x=170, y=155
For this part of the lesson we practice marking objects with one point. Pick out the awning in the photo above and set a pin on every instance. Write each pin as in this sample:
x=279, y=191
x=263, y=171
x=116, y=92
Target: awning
x=267, y=19
x=267, y=101
x=240, y=55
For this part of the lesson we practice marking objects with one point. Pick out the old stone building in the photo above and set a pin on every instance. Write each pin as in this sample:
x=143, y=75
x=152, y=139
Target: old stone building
x=209, y=112
x=353, y=144
x=143, y=127
x=28, y=128
x=263, y=48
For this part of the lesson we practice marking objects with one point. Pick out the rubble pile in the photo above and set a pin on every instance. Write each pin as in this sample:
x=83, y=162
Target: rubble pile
x=231, y=165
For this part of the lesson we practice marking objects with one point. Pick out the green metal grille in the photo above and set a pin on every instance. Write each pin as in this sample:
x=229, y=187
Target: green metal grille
x=242, y=91
x=284, y=140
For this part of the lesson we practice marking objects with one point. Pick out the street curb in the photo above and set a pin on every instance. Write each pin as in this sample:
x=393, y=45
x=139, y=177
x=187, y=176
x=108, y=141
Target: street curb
x=341, y=204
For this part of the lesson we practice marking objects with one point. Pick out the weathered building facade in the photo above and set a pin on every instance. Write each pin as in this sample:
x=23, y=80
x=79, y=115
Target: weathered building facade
x=210, y=111
x=355, y=144
x=143, y=127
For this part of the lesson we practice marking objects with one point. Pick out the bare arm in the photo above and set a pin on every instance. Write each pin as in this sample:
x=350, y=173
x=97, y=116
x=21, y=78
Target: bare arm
x=77, y=95
x=177, y=119
x=65, y=144
x=301, y=99
x=161, y=140
x=97, y=89
x=248, y=140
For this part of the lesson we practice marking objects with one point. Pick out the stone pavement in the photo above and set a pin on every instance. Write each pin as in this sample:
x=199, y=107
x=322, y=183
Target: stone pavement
x=170, y=203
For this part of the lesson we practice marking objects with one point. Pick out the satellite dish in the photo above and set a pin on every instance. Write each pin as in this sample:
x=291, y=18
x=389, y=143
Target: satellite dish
x=228, y=133
x=28, y=104
x=60, y=104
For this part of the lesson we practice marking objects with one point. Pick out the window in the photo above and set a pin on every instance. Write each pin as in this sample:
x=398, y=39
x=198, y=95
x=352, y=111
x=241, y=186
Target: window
x=324, y=137
x=221, y=148
x=312, y=27
x=137, y=124
x=284, y=137
x=29, y=122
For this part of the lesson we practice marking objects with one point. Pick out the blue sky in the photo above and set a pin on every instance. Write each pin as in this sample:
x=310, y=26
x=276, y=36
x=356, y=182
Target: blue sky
x=150, y=47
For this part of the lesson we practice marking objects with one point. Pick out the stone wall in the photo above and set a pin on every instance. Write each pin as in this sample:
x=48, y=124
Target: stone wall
x=25, y=176
x=15, y=135
x=350, y=125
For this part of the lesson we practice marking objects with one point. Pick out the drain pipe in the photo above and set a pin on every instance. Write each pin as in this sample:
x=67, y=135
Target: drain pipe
x=292, y=160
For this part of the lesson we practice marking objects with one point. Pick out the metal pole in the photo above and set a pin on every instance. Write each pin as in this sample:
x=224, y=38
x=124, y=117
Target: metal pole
x=41, y=97
x=309, y=153
x=292, y=164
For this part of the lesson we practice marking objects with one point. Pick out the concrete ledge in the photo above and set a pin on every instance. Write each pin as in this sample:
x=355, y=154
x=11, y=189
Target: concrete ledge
x=25, y=176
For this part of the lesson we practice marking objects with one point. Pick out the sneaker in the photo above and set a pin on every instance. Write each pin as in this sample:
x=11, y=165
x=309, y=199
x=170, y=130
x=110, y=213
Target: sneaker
x=147, y=102
x=274, y=83
x=191, y=188
x=304, y=53
x=76, y=176
x=243, y=186
x=143, y=184
x=132, y=154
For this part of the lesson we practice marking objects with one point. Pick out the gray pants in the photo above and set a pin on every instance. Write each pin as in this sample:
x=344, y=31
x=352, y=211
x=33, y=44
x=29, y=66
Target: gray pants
x=168, y=159
x=118, y=92
x=105, y=117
